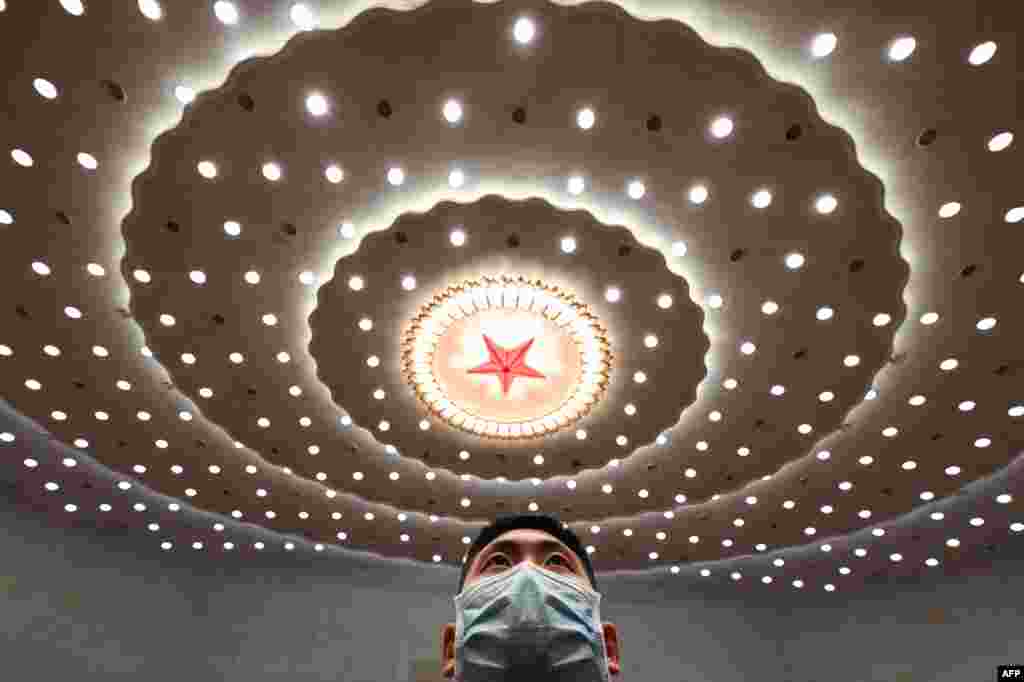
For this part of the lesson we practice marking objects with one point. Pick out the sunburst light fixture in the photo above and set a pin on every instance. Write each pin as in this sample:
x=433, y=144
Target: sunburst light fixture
x=507, y=357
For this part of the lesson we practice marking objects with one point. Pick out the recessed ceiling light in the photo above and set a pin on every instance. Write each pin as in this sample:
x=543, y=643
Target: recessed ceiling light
x=334, y=174
x=851, y=360
x=41, y=268
x=568, y=245
x=347, y=230
x=576, y=185
x=778, y=389
x=167, y=320
x=715, y=301
x=151, y=9
x=272, y=171
x=636, y=189
x=664, y=301
x=917, y=400
x=457, y=237
x=456, y=178
x=6, y=218
x=826, y=396
x=396, y=176
x=613, y=294
x=232, y=228
x=226, y=12
x=1016, y=411
x=698, y=194
x=901, y=48
x=769, y=307
x=22, y=158
x=721, y=127
x=982, y=53
x=824, y=313
x=948, y=210
x=316, y=104
x=881, y=319
x=303, y=17
x=1015, y=215
x=585, y=118
x=207, y=169
x=678, y=249
x=73, y=7
x=1000, y=141
x=823, y=44
x=761, y=199
x=523, y=30
x=826, y=204
x=795, y=261
x=45, y=88
x=87, y=161
x=949, y=364
x=986, y=324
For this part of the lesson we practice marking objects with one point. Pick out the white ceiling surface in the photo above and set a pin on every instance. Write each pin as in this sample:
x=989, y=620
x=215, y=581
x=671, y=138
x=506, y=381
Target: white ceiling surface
x=886, y=249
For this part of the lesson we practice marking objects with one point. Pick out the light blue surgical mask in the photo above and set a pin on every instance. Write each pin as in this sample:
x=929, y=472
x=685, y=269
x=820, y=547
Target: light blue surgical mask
x=528, y=623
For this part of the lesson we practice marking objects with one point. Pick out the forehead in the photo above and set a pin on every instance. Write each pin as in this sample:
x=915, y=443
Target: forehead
x=522, y=538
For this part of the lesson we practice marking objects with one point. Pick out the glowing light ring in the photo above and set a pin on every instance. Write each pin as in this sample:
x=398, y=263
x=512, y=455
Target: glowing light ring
x=421, y=337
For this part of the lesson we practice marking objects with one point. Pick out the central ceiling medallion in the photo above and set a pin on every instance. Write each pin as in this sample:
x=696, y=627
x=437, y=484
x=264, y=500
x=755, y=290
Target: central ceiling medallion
x=507, y=357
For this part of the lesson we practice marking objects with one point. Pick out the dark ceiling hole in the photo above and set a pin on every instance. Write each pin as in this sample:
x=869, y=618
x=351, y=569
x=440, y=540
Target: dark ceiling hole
x=704, y=516
x=78, y=384
x=512, y=241
x=774, y=526
x=936, y=436
x=227, y=492
x=576, y=464
x=63, y=217
x=567, y=509
x=927, y=136
x=856, y=265
x=519, y=115
x=794, y=132
x=246, y=101
x=22, y=311
x=652, y=467
x=654, y=123
x=431, y=502
x=275, y=451
x=887, y=491
x=759, y=423
x=87, y=485
x=499, y=504
x=200, y=444
x=384, y=108
x=426, y=454
x=252, y=391
x=800, y=354
x=173, y=227
x=289, y=229
x=401, y=237
x=502, y=456
x=990, y=548
x=114, y=90
x=625, y=250
x=218, y=318
x=122, y=443
x=1001, y=370
x=729, y=477
x=736, y=255
x=803, y=480
x=915, y=538
x=969, y=270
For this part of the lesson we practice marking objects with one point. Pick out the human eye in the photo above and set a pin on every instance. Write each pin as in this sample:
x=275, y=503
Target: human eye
x=496, y=562
x=561, y=562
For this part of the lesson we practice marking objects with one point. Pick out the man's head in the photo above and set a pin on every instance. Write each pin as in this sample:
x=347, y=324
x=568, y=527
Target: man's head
x=541, y=540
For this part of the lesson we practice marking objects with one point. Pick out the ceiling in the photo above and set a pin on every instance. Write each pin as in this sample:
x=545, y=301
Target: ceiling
x=786, y=244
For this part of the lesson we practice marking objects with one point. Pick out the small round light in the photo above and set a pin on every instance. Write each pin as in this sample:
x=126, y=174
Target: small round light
x=769, y=307
x=721, y=127
x=636, y=189
x=613, y=294
x=698, y=194
x=825, y=313
x=316, y=104
x=950, y=209
x=1016, y=411
x=272, y=171
x=236, y=358
x=952, y=542
x=6, y=218
x=730, y=384
x=929, y=318
x=715, y=416
x=523, y=30
x=715, y=301
x=664, y=301
x=226, y=12
x=1000, y=141
x=795, y=261
x=826, y=204
x=334, y=174
x=41, y=268
x=1015, y=215
x=747, y=348
x=986, y=324
x=952, y=470
x=366, y=324
x=396, y=176
x=73, y=312
x=901, y=48
x=87, y=161
x=826, y=396
x=890, y=432
x=761, y=199
x=949, y=364
x=167, y=320
x=456, y=179
x=851, y=360
x=823, y=44
x=982, y=53
x=651, y=341
x=576, y=185
x=778, y=389
x=408, y=282
x=45, y=88
x=356, y=283
x=207, y=169
x=585, y=118
x=302, y=16
x=881, y=319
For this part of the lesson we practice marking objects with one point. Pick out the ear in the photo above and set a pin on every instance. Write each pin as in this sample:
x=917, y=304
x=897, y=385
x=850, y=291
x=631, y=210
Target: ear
x=612, y=647
x=448, y=650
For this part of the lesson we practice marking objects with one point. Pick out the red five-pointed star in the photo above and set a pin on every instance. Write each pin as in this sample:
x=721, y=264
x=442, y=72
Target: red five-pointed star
x=507, y=364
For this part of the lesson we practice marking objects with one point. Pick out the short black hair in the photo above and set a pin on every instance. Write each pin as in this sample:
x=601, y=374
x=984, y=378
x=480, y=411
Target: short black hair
x=544, y=522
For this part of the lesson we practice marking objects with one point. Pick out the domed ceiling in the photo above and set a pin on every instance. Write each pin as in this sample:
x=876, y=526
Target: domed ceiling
x=733, y=290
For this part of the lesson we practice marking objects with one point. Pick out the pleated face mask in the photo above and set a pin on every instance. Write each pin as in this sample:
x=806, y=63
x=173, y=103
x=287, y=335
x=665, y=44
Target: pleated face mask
x=528, y=623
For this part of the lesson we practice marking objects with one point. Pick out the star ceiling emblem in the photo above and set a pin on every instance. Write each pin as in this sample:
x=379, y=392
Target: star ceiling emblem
x=507, y=363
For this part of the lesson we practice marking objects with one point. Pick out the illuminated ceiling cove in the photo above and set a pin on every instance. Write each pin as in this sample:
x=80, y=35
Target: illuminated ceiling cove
x=732, y=289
